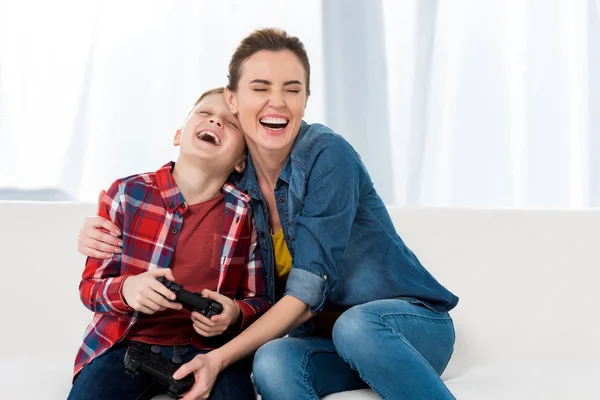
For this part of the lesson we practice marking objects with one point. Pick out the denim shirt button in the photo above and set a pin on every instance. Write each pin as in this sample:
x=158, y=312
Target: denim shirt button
x=262, y=235
x=325, y=277
x=280, y=200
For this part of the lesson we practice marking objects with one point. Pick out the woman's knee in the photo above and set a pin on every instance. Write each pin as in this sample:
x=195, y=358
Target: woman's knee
x=354, y=328
x=273, y=362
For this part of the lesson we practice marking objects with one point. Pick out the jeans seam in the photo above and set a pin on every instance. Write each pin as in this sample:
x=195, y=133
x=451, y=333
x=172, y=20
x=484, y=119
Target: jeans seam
x=361, y=377
x=445, y=319
x=410, y=346
x=307, y=354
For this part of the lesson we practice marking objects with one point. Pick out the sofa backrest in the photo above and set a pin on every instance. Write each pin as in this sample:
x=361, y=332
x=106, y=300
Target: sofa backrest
x=527, y=280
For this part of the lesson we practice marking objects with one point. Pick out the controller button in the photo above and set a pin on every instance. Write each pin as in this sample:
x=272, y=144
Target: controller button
x=176, y=360
x=155, y=350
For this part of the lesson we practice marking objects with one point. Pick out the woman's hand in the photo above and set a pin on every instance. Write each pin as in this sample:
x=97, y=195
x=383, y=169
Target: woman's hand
x=206, y=368
x=146, y=294
x=98, y=237
x=217, y=324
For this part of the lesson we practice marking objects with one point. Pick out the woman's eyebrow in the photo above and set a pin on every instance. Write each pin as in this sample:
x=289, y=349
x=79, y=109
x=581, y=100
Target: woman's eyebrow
x=266, y=82
x=263, y=81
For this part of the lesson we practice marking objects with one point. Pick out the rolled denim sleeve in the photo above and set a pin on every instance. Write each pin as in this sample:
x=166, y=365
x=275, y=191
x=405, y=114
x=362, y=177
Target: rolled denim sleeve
x=307, y=287
x=323, y=227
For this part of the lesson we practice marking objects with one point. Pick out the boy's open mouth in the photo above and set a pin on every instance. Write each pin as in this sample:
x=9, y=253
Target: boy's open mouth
x=274, y=123
x=210, y=137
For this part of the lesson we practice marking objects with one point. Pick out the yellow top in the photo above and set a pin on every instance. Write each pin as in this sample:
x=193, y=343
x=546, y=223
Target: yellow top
x=283, y=258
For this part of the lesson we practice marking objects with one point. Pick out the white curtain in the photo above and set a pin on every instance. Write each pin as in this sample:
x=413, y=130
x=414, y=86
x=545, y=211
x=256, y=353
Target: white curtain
x=468, y=103
x=496, y=103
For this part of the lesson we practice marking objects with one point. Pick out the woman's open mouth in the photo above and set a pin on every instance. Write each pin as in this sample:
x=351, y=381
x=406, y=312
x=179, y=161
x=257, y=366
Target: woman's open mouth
x=274, y=123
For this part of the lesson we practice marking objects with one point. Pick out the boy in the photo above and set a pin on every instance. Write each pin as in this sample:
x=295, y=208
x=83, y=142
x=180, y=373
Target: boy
x=187, y=224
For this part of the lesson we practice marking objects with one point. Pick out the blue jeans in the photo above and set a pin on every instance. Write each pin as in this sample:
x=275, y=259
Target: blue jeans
x=105, y=378
x=397, y=348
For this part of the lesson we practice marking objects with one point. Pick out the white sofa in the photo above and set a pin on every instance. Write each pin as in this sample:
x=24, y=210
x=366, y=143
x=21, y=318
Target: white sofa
x=527, y=322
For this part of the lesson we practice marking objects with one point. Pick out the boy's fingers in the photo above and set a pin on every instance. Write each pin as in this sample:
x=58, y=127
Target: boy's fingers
x=145, y=310
x=169, y=274
x=163, y=272
x=217, y=318
x=150, y=303
x=211, y=295
x=159, y=300
x=202, y=332
x=162, y=290
x=202, y=319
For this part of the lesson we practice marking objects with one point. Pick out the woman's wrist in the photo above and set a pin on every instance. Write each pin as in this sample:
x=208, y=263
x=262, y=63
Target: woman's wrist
x=219, y=358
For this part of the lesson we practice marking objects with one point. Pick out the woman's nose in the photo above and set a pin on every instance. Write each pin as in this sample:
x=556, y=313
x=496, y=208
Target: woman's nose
x=276, y=100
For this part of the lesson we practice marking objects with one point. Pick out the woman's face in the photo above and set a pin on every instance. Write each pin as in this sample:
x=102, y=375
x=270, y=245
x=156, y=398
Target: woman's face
x=270, y=100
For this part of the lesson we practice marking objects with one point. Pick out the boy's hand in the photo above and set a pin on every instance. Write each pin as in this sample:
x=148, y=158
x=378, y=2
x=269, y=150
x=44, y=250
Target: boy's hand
x=217, y=324
x=146, y=294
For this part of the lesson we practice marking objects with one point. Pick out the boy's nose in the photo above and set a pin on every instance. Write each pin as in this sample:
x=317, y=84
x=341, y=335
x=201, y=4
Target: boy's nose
x=216, y=121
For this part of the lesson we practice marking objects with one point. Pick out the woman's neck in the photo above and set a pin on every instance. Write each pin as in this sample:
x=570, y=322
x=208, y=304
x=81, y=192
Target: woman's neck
x=268, y=164
x=197, y=184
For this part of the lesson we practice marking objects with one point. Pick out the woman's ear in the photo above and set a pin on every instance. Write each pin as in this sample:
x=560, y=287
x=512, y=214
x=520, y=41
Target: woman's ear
x=177, y=138
x=231, y=100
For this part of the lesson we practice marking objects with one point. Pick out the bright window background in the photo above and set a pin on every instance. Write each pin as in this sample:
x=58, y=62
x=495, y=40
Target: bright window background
x=466, y=103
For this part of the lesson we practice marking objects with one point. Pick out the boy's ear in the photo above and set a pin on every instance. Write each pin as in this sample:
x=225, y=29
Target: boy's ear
x=177, y=138
x=231, y=101
x=240, y=166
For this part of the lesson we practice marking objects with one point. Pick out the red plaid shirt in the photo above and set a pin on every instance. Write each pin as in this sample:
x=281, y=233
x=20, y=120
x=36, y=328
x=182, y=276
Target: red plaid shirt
x=148, y=209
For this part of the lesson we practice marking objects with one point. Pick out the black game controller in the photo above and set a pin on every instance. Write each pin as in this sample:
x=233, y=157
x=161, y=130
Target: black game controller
x=148, y=359
x=193, y=301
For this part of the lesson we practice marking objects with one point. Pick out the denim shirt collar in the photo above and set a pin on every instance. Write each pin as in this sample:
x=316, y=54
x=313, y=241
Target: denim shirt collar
x=249, y=182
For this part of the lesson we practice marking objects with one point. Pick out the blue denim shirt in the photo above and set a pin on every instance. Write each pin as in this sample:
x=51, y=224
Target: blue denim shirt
x=344, y=247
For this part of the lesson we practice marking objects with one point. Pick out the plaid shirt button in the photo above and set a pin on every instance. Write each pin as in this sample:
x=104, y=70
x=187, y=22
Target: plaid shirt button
x=174, y=230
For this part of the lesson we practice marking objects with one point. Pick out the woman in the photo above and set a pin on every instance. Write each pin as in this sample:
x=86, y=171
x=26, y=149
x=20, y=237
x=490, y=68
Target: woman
x=328, y=247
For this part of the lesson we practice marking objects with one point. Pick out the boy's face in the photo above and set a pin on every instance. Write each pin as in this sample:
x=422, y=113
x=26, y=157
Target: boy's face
x=211, y=132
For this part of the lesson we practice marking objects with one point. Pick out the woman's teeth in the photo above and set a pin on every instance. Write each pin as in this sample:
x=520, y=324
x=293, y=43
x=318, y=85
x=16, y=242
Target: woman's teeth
x=274, y=123
x=209, y=137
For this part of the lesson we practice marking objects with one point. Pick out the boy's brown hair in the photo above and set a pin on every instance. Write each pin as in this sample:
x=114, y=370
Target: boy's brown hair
x=205, y=95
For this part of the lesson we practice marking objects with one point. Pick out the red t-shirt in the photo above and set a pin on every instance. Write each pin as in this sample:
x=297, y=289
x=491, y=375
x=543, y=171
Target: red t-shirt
x=195, y=265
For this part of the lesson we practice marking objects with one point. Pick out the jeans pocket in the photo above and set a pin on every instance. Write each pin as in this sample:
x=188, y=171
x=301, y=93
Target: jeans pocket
x=418, y=302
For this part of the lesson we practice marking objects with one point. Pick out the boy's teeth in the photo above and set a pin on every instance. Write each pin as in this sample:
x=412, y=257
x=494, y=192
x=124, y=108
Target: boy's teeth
x=204, y=134
x=271, y=120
